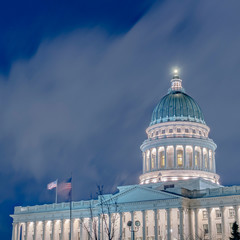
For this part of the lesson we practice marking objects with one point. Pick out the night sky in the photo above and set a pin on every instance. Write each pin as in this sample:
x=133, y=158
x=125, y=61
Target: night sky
x=79, y=81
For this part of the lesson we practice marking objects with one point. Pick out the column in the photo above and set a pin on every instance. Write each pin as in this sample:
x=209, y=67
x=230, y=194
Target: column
x=90, y=221
x=132, y=227
x=181, y=223
x=62, y=229
x=194, y=156
x=144, y=162
x=236, y=213
x=35, y=230
x=13, y=231
x=169, y=232
x=43, y=230
x=26, y=230
x=120, y=230
x=143, y=225
x=190, y=225
x=209, y=210
x=53, y=229
x=165, y=156
x=157, y=159
x=175, y=158
x=202, y=165
x=156, y=224
x=99, y=226
x=110, y=224
x=81, y=228
x=222, y=209
x=184, y=156
x=18, y=226
x=72, y=229
x=196, y=223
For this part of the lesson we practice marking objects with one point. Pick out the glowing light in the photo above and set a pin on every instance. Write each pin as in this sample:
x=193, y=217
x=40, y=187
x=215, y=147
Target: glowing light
x=175, y=71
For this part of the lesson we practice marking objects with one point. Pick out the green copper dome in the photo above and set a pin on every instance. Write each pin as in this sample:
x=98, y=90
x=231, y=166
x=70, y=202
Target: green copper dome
x=177, y=106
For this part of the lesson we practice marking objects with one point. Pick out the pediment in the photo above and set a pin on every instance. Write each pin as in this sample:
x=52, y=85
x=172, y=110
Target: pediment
x=140, y=194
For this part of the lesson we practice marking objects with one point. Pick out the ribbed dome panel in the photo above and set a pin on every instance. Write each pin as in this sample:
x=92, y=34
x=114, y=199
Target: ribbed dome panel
x=177, y=106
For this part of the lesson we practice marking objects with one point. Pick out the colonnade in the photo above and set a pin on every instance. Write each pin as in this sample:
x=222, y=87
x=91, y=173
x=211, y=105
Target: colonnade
x=170, y=223
x=167, y=157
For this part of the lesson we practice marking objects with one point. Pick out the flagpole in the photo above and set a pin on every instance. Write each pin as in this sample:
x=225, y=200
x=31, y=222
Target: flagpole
x=71, y=210
x=56, y=192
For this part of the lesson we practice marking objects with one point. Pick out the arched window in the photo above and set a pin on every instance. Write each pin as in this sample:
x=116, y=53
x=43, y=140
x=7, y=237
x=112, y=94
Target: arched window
x=153, y=158
x=179, y=150
x=161, y=157
x=210, y=160
x=197, y=157
x=189, y=156
x=170, y=156
x=205, y=158
x=147, y=160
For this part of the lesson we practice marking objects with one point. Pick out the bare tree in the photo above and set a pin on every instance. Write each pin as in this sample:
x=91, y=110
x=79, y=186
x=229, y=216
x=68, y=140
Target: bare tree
x=106, y=210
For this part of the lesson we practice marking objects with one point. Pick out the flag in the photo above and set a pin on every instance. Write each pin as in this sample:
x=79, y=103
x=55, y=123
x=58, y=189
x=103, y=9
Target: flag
x=52, y=185
x=65, y=188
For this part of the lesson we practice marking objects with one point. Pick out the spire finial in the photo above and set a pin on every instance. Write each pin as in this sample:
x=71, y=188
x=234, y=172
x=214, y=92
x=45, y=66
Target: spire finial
x=176, y=81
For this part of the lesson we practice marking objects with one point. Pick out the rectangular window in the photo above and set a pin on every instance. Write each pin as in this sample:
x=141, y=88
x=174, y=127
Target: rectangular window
x=178, y=214
x=205, y=229
x=219, y=227
x=163, y=131
x=159, y=232
x=186, y=131
x=205, y=214
x=231, y=212
x=178, y=130
x=170, y=131
x=147, y=231
x=123, y=233
x=218, y=214
x=178, y=229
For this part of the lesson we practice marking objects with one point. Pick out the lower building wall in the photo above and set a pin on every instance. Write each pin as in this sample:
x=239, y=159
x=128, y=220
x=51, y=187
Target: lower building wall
x=160, y=224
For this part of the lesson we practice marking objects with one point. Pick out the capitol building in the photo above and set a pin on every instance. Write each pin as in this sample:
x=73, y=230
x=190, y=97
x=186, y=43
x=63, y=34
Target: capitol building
x=178, y=196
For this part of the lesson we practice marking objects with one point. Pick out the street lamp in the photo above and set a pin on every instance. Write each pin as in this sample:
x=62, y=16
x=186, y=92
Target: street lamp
x=133, y=228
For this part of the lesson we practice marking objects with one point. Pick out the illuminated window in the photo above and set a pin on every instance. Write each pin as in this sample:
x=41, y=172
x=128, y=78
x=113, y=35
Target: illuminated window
x=189, y=156
x=153, y=158
x=161, y=157
x=205, y=157
x=179, y=150
x=170, y=156
x=197, y=157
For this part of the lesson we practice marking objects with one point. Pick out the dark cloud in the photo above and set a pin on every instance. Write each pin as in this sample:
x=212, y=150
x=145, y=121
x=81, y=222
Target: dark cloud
x=82, y=103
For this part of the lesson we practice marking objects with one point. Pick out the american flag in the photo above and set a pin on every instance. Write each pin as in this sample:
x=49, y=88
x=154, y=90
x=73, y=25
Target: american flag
x=52, y=185
x=65, y=187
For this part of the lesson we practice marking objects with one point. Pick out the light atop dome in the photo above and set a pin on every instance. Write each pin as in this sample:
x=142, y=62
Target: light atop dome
x=175, y=71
